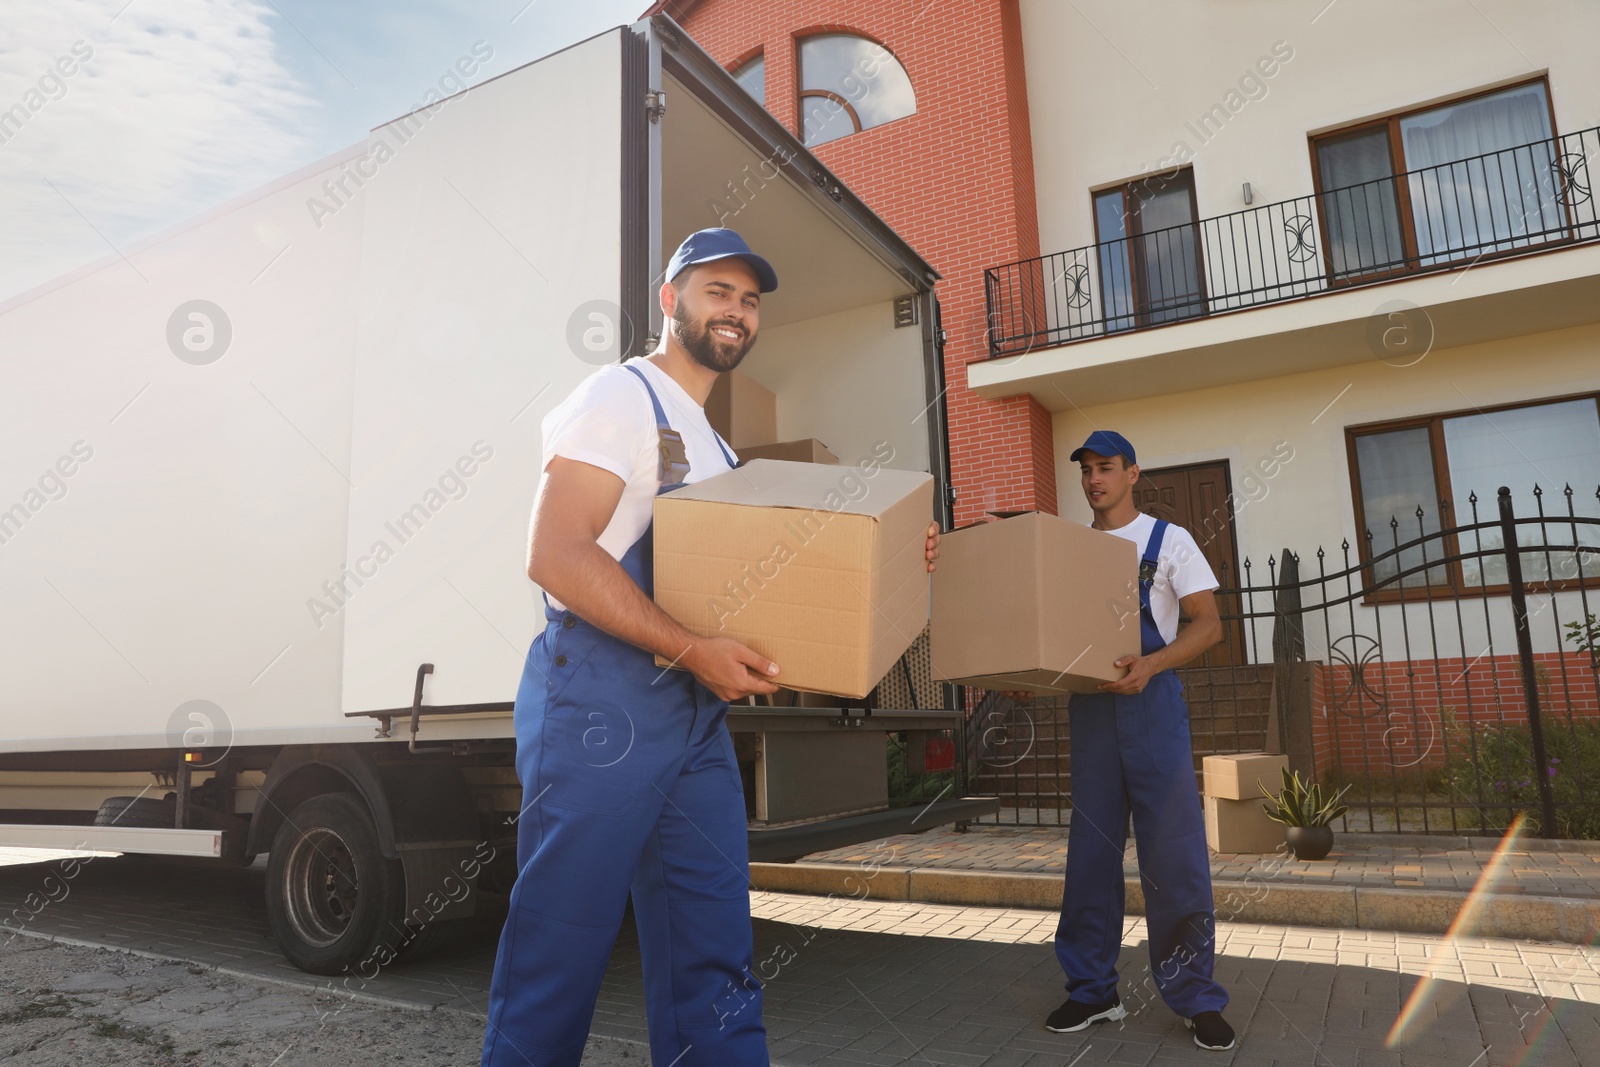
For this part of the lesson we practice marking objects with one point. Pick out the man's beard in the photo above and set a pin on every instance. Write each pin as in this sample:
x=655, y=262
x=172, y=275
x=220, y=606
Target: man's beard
x=707, y=349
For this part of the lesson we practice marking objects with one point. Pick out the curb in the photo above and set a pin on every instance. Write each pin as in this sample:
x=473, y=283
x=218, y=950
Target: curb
x=1260, y=900
x=1456, y=842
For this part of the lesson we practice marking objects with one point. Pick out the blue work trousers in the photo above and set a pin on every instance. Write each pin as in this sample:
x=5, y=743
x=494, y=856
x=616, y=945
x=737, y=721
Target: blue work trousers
x=1132, y=754
x=629, y=785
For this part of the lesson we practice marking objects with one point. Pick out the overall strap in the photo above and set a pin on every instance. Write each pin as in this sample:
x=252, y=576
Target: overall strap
x=663, y=425
x=732, y=463
x=655, y=402
x=1152, y=557
x=672, y=469
x=1150, y=633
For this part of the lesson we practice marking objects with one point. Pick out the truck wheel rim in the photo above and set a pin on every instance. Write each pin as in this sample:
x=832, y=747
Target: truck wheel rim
x=322, y=890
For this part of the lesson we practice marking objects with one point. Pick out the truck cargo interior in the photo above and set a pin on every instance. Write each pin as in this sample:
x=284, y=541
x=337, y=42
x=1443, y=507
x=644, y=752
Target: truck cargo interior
x=829, y=347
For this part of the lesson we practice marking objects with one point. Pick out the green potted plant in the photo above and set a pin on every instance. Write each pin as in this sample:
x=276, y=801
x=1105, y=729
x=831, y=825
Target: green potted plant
x=1306, y=812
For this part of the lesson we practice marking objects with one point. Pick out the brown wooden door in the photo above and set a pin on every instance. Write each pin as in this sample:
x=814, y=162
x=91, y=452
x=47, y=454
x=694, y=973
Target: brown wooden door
x=1200, y=499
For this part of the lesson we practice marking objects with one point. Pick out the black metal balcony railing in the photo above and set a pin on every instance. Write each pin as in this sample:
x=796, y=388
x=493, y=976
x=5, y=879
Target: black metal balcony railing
x=1438, y=218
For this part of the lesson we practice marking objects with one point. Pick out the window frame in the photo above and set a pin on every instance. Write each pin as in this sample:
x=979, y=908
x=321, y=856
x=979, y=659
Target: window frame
x=829, y=94
x=1457, y=585
x=797, y=40
x=1397, y=161
x=1142, y=314
x=733, y=69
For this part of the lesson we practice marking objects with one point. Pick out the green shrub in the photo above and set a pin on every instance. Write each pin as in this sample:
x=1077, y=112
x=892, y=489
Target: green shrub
x=907, y=789
x=1501, y=776
x=1586, y=635
x=1489, y=776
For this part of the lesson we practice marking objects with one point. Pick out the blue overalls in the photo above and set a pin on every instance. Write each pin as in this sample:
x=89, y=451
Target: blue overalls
x=1133, y=752
x=629, y=780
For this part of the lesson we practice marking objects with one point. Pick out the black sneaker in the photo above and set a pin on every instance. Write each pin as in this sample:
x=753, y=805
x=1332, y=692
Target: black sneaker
x=1211, y=1031
x=1075, y=1015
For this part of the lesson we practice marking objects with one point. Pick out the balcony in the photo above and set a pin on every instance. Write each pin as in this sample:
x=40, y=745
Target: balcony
x=1500, y=205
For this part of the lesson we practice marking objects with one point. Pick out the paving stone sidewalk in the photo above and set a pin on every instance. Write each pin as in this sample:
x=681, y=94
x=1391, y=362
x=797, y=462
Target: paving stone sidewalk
x=1561, y=869
x=865, y=982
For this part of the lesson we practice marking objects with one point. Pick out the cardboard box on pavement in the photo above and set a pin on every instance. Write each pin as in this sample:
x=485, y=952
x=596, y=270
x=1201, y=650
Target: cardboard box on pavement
x=820, y=569
x=806, y=450
x=742, y=410
x=1241, y=826
x=1034, y=602
x=1234, y=776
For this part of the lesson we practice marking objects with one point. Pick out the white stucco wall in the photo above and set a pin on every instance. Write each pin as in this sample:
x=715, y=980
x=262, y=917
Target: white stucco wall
x=1116, y=90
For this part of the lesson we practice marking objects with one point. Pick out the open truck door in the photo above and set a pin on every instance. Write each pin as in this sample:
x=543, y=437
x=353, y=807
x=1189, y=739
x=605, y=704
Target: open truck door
x=281, y=608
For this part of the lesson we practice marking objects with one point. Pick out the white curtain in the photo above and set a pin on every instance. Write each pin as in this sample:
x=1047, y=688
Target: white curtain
x=1552, y=446
x=1482, y=174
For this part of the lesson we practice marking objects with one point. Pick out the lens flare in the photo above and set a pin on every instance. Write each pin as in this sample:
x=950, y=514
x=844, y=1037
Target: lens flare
x=1464, y=924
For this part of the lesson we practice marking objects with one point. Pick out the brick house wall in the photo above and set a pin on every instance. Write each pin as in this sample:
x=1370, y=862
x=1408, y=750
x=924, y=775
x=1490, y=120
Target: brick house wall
x=1394, y=715
x=955, y=180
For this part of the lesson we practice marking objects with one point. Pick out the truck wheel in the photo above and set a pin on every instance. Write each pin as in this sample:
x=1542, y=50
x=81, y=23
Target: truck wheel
x=161, y=812
x=331, y=894
x=143, y=812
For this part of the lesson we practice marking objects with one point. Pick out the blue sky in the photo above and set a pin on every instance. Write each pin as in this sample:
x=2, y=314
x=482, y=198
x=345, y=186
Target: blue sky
x=183, y=104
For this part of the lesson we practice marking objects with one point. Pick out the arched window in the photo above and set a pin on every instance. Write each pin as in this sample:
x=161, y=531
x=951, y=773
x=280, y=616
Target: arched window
x=849, y=84
x=752, y=75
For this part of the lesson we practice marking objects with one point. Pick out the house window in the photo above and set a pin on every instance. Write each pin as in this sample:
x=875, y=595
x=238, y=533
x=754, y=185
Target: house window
x=849, y=84
x=752, y=77
x=1466, y=179
x=1148, y=247
x=1417, y=477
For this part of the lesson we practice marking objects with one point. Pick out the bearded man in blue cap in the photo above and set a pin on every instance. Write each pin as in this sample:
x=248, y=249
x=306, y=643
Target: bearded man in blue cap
x=630, y=784
x=1131, y=754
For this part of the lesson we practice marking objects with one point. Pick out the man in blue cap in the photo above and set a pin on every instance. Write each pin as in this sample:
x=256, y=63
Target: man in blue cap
x=1131, y=754
x=629, y=779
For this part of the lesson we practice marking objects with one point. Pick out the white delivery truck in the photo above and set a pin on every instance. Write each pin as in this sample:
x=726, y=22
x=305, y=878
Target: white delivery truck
x=266, y=480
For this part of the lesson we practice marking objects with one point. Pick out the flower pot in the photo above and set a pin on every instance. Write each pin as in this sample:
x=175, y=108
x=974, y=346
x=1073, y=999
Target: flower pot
x=1310, y=842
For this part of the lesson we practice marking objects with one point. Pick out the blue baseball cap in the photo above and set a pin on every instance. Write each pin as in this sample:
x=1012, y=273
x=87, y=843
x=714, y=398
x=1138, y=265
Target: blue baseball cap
x=704, y=246
x=1105, y=443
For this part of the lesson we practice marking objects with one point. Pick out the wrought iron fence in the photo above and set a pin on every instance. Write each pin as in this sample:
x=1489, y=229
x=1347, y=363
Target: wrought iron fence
x=1446, y=671
x=1437, y=218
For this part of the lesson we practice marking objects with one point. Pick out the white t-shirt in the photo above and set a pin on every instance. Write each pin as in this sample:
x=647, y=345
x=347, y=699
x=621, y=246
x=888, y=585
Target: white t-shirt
x=1180, y=570
x=608, y=423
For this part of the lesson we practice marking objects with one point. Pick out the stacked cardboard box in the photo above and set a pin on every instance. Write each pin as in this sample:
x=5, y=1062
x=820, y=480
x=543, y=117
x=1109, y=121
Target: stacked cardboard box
x=805, y=450
x=1235, y=820
x=745, y=413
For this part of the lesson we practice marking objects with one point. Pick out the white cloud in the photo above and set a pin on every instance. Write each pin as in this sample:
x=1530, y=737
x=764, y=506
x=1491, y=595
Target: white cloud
x=183, y=104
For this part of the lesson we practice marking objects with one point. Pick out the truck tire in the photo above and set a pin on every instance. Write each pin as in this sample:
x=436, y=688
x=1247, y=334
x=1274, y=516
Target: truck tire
x=332, y=897
x=161, y=812
x=141, y=812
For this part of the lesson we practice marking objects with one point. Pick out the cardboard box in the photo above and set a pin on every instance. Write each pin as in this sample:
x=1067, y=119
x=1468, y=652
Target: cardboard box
x=1233, y=777
x=1034, y=602
x=743, y=411
x=806, y=450
x=1241, y=826
x=820, y=569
